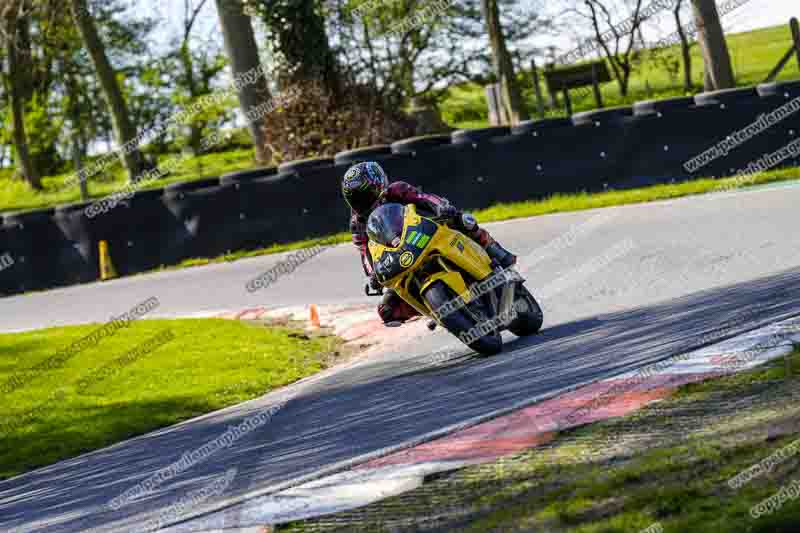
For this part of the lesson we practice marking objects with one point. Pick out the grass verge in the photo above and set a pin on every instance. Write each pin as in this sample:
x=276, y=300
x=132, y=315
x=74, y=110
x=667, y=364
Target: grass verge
x=555, y=204
x=16, y=195
x=560, y=203
x=668, y=463
x=152, y=374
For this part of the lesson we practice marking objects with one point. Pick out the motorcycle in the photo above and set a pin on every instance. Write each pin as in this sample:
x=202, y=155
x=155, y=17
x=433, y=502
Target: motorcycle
x=449, y=278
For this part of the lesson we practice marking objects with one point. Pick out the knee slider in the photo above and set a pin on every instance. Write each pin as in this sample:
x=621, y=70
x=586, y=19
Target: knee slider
x=385, y=312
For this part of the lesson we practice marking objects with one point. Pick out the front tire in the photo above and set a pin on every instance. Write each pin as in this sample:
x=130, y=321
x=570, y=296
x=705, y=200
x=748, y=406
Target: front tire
x=461, y=320
x=529, y=314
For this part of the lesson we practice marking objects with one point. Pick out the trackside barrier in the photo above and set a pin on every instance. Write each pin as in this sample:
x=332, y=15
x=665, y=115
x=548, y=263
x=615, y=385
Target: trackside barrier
x=138, y=231
x=647, y=143
x=76, y=257
x=40, y=246
x=15, y=244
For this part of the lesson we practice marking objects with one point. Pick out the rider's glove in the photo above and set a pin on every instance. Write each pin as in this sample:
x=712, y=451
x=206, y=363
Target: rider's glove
x=446, y=211
x=373, y=283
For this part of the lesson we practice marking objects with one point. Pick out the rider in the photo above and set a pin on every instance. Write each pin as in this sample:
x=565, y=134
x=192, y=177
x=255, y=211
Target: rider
x=365, y=186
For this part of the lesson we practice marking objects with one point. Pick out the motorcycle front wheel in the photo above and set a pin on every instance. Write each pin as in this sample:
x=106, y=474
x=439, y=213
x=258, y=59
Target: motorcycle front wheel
x=529, y=313
x=463, y=320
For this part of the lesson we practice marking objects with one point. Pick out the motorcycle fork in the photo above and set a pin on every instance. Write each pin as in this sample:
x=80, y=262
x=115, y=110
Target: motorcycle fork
x=504, y=304
x=507, y=299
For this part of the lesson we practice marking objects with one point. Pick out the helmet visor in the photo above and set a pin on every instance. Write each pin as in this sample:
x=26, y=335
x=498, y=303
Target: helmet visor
x=361, y=199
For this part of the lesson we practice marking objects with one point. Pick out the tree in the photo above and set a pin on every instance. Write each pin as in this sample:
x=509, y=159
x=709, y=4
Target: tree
x=240, y=45
x=716, y=58
x=685, y=47
x=15, y=23
x=197, y=70
x=403, y=61
x=624, y=38
x=124, y=129
x=501, y=59
x=303, y=50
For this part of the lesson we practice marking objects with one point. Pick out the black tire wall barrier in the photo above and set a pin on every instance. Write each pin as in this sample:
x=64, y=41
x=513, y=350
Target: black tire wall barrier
x=76, y=257
x=17, y=277
x=612, y=148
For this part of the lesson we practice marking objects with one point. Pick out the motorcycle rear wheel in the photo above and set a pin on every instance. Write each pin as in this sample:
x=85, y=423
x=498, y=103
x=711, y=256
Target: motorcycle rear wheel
x=461, y=320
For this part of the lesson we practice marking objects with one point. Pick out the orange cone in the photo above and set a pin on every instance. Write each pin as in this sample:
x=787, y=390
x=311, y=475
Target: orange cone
x=314, y=315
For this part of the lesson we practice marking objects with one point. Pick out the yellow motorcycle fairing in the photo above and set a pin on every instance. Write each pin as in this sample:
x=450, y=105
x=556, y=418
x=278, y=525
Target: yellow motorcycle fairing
x=428, y=252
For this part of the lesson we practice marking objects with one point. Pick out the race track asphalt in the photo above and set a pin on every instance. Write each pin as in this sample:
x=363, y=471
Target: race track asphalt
x=639, y=284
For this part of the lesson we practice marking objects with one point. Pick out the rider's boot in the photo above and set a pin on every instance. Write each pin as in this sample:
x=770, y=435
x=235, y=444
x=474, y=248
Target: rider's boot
x=502, y=256
x=394, y=311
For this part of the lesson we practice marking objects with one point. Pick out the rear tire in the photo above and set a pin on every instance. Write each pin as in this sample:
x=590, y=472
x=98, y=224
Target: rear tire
x=461, y=321
x=529, y=313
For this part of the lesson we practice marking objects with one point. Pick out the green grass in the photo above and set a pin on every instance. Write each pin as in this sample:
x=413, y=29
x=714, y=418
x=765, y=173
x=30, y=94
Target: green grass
x=16, y=195
x=771, y=372
x=753, y=55
x=208, y=365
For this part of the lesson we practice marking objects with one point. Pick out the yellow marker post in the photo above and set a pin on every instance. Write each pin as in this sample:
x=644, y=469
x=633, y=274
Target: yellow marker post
x=106, y=266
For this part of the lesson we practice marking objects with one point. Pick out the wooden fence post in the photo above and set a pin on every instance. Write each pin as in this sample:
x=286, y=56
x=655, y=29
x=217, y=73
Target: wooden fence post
x=78, y=163
x=567, y=103
x=598, y=98
x=550, y=91
x=502, y=105
x=494, y=105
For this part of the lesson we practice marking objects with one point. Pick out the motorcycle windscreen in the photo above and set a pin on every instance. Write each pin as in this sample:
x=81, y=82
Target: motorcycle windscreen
x=385, y=224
